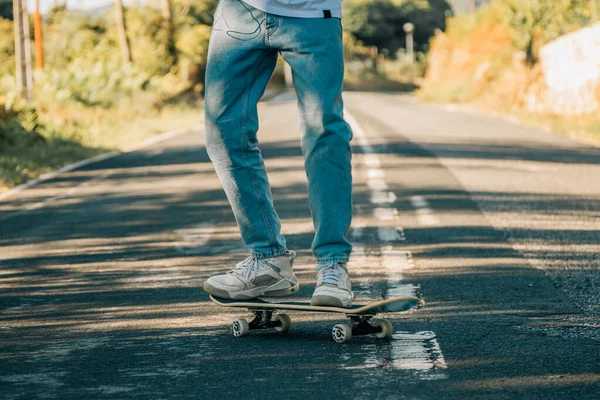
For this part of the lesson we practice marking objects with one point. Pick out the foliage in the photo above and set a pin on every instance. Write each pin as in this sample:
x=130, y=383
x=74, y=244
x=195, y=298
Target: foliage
x=536, y=22
x=6, y=10
x=490, y=58
x=19, y=126
x=380, y=22
x=7, y=49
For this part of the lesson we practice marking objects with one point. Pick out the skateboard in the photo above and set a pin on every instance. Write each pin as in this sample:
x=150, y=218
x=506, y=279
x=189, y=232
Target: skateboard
x=360, y=316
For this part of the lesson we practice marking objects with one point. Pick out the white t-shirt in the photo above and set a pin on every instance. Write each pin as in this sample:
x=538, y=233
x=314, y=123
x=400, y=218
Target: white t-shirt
x=299, y=8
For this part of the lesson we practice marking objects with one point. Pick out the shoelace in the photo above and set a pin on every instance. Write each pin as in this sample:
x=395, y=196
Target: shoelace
x=248, y=267
x=330, y=273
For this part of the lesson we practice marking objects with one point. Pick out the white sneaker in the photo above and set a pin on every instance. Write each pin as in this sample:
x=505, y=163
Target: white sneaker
x=256, y=277
x=334, y=288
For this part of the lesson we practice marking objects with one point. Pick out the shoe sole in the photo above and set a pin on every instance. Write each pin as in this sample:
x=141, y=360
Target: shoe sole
x=328, y=301
x=254, y=293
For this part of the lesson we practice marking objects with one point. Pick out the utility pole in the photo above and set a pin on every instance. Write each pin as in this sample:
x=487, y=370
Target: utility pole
x=22, y=50
x=125, y=50
x=39, y=47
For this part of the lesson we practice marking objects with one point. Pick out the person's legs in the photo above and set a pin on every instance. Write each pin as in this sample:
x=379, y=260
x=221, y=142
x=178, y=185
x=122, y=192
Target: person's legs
x=313, y=48
x=239, y=67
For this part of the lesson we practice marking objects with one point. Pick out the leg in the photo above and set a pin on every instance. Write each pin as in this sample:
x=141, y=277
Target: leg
x=239, y=68
x=314, y=50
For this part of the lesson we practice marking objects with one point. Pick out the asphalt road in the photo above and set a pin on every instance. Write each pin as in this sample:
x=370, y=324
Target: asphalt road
x=494, y=224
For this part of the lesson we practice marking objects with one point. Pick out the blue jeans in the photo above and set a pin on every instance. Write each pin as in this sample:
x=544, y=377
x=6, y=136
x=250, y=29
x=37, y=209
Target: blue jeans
x=242, y=55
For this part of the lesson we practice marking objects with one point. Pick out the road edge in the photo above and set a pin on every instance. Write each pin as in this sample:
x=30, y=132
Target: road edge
x=100, y=157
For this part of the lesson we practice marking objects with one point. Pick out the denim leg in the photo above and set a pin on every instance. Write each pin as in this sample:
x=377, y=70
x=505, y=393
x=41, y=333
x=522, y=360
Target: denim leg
x=313, y=48
x=238, y=70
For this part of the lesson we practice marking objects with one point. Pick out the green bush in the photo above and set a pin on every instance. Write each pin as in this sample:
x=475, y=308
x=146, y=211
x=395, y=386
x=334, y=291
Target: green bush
x=380, y=22
x=19, y=127
x=7, y=47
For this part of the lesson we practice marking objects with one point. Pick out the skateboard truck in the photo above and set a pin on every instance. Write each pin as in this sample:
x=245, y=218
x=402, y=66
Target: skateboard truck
x=268, y=315
x=361, y=325
x=263, y=319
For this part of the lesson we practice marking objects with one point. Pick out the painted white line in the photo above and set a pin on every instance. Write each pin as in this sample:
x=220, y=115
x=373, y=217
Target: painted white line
x=385, y=214
x=379, y=197
x=396, y=260
x=425, y=215
x=426, y=218
x=419, y=201
x=40, y=204
x=375, y=173
x=356, y=128
x=358, y=251
x=95, y=159
x=371, y=161
x=357, y=232
x=377, y=184
x=418, y=351
x=159, y=138
x=390, y=234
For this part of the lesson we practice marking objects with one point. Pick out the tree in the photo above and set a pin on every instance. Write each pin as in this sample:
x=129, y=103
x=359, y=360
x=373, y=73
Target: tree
x=379, y=22
x=6, y=9
x=167, y=13
x=123, y=40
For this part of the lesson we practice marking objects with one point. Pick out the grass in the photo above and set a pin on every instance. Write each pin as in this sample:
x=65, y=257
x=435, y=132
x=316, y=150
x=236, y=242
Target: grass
x=585, y=127
x=108, y=131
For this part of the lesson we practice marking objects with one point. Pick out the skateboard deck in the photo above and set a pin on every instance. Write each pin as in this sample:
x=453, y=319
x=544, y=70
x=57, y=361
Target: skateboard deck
x=360, y=315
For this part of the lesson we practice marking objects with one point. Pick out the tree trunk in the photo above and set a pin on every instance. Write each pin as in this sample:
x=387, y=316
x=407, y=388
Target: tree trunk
x=167, y=13
x=125, y=50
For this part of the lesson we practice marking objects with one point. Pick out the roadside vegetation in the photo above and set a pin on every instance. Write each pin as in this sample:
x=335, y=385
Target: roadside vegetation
x=93, y=95
x=87, y=100
x=490, y=59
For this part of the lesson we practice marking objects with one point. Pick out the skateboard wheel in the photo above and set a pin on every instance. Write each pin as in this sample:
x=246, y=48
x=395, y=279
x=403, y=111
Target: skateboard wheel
x=386, y=328
x=240, y=328
x=341, y=333
x=286, y=323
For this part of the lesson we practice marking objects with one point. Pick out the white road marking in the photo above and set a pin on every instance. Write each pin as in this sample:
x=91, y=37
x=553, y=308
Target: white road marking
x=357, y=232
x=371, y=161
x=418, y=351
x=54, y=174
x=425, y=215
x=419, y=202
x=69, y=192
x=385, y=213
x=396, y=260
x=377, y=184
x=375, y=173
x=390, y=234
x=380, y=197
x=92, y=160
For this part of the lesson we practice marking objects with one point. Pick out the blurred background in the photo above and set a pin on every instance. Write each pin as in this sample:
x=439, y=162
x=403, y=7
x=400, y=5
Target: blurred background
x=97, y=75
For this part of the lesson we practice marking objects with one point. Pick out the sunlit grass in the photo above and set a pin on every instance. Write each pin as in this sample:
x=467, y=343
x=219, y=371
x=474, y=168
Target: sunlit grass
x=75, y=138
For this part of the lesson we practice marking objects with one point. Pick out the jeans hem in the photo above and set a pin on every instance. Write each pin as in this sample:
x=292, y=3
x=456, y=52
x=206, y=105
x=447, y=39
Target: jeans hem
x=270, y=254
x=341, y=260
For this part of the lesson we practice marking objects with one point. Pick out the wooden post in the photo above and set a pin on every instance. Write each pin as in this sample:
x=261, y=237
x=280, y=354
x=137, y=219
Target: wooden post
x=410, y=48
x=39, y=47
x=22, y=50
x=123, y=40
